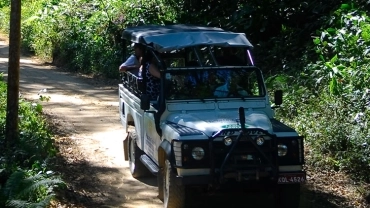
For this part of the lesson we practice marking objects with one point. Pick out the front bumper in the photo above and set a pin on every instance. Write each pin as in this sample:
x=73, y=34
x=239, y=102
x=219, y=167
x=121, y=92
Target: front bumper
x=296, y=177
x=242, y=161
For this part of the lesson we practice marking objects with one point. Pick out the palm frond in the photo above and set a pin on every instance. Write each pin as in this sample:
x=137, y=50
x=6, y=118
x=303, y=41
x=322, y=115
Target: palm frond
x=18, y=203
x=13, y=184
x=19, y=187
x=44, y=203
x=36, y=185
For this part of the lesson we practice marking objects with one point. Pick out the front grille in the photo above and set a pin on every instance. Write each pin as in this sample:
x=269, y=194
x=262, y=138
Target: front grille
x=245, y=156
x=244, y=159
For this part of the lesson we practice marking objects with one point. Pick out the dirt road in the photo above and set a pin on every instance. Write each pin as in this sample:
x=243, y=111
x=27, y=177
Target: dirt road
x=86, y=115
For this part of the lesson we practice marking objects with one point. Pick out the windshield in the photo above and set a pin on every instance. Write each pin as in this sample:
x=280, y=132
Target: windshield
x=214, y=83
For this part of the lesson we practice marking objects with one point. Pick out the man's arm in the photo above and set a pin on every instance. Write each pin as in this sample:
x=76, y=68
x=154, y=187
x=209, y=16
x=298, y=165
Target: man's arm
x=129, y=64
x=127, y=68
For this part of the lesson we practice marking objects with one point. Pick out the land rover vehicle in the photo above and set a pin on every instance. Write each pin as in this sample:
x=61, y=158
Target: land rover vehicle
x=212, y=122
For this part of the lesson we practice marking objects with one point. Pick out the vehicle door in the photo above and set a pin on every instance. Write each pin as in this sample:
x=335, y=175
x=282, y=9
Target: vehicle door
x=151, y=137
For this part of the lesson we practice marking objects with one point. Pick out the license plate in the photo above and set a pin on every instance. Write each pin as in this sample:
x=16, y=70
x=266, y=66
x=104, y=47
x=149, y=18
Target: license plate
x=292, y=178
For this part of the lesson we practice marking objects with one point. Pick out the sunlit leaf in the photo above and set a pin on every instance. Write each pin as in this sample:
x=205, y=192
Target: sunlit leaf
x=319, y=80
x=345, y=6
x=334, y=59
x=322, y=58
x=331, y=31
x=323, y=35
x=39, y=108
x=333, y=86
x=316, y=41
x=343, y=31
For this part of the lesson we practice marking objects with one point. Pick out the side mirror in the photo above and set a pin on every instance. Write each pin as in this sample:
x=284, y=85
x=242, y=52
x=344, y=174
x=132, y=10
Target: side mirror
x=278, y=97
x=144, y=102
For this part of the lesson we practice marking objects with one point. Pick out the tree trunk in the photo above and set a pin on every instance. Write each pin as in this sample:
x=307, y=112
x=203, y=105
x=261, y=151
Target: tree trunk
x=11, y=128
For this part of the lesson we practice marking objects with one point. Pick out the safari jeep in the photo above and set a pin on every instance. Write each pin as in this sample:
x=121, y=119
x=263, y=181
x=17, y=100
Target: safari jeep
x=212, y=123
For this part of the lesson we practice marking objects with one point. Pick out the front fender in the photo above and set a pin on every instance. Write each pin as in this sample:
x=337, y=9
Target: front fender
x=164, y=152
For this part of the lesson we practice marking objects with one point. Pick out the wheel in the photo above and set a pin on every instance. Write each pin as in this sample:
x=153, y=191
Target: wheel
x=174, y=195
x=137, y=168
x=288, y=196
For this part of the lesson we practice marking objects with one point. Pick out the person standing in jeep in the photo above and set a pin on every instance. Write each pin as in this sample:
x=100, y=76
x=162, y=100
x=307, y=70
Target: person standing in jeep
x=133, y=62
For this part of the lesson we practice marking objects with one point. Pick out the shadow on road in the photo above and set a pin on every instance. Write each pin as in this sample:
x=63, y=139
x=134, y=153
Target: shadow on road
x=89, y=185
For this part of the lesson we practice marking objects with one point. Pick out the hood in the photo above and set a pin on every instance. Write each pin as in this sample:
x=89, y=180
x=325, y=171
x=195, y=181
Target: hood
x=211, y=122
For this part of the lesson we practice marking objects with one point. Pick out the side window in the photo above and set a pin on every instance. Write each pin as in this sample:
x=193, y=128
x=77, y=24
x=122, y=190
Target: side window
x=192, y=59
x=179, y=85
x=205, y=56
x=199, y=56
x=174, y=62
x=174, y=59
x=230, y=56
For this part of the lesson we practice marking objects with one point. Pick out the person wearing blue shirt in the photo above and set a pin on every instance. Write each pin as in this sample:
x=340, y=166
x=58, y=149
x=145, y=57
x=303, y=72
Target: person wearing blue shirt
x=133, y=62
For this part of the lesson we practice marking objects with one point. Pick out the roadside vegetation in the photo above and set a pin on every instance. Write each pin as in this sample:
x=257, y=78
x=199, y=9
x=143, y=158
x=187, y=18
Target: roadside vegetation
x=26, y=177
x=317, y=51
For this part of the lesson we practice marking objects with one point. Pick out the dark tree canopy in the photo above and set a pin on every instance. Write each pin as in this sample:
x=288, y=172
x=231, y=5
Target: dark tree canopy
x=260, y=19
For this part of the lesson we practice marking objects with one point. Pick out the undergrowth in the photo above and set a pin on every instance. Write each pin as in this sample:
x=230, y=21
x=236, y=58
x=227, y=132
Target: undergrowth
x=26, y=176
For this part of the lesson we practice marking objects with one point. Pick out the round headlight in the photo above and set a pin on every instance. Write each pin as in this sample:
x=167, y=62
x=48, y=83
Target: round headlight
x=282, y=150
x=197, y=153
x=228, y=141
x=260, y=141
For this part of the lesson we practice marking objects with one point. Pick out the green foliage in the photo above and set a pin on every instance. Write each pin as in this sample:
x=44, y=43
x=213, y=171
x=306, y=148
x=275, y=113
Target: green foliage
x=24, y=177
x=86, y=35
x=4, y=15
x=4, y=19
x=26, y=189
x=344, y=53
x=329, y=100
x=4, y=3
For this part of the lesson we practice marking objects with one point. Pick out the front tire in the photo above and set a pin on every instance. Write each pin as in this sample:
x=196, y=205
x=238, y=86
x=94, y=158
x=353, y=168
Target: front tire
x=174, y=195
x=137, y=168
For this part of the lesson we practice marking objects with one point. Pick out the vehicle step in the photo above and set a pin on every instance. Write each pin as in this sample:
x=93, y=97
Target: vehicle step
x=152, y=167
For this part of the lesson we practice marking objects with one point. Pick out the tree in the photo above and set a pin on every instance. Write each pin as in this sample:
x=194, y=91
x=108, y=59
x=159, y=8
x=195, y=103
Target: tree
x=11, y=128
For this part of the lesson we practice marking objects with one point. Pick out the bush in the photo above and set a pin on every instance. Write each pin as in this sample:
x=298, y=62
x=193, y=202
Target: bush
x=25, y=176
x=329, y=101
x=4, y=19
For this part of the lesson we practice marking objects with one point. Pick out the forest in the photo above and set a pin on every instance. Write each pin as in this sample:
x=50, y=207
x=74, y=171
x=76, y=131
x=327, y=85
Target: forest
x=316, y=51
